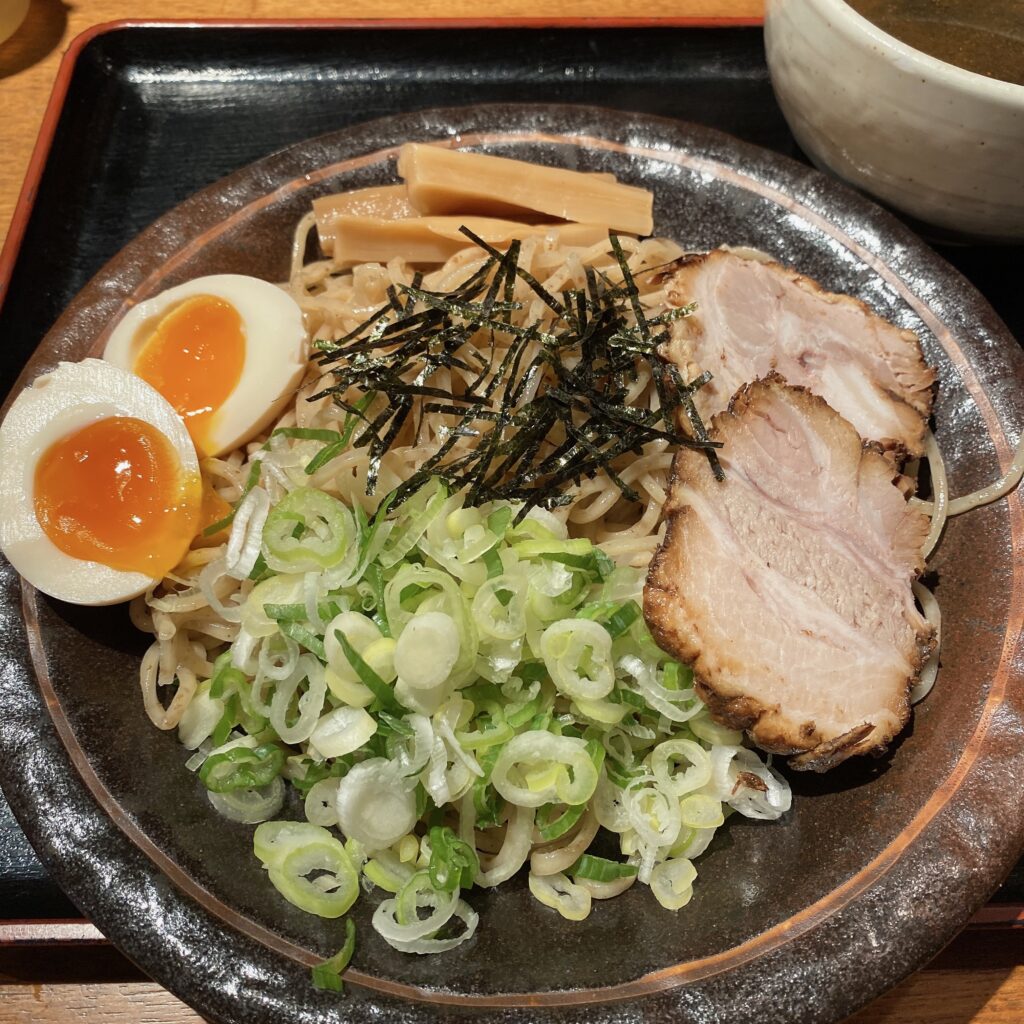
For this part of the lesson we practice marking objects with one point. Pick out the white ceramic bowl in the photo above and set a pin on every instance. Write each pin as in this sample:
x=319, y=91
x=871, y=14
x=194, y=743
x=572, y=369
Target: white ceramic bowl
x=940, y=143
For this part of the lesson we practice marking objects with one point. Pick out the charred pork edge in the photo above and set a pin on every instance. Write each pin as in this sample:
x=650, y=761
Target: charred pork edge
x=743, y=712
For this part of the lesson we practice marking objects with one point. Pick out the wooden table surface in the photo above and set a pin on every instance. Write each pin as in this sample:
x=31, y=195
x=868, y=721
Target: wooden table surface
x=979, y=979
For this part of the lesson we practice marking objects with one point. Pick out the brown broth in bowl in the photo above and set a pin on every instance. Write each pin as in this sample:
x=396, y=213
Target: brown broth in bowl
x=984, y=36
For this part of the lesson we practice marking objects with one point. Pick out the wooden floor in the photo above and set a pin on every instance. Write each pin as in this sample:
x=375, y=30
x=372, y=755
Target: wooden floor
x=976, y=980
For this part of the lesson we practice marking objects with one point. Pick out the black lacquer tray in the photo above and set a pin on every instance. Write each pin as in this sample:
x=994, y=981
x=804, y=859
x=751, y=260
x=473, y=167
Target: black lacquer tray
x=154, y=113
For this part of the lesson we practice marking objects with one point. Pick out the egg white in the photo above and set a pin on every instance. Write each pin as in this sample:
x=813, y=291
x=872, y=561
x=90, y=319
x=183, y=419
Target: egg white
x=276, y=350
x=71, y=397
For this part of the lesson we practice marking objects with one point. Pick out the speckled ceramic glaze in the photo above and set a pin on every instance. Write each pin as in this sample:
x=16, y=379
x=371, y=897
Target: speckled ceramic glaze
x=804, y=919
x=938, y=142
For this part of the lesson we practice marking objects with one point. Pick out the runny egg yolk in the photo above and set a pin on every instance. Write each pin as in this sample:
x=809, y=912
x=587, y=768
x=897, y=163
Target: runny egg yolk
x=194, y=359
x=114, y=492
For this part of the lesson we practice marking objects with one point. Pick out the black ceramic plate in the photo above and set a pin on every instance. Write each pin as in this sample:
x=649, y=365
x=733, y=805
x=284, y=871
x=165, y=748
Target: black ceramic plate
x=808, y=918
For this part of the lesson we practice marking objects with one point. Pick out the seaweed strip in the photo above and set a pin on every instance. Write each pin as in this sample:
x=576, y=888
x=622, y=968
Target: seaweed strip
x=399, y=348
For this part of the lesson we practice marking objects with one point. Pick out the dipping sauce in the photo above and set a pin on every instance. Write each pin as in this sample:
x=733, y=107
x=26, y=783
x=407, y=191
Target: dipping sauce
x=984, y=36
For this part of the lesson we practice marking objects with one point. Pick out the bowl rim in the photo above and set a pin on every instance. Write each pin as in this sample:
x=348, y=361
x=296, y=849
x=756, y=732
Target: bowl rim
x=856, y=26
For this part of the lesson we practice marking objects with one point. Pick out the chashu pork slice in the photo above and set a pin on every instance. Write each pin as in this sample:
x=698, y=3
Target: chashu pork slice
x=755, y=317
x=787, y=586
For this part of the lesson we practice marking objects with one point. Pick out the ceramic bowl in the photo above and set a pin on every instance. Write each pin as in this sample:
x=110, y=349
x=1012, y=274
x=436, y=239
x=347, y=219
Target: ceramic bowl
x=939, y=143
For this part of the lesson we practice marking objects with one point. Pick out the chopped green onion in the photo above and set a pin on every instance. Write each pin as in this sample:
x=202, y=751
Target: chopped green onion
x=373, y=682
x=524, y=714
x=600, y=869
x=225, y=676
x=498, y=521
x=313, y=772
x=307, y=530
x=578, y=656
x=413, y=518
x=327, y=975
x=242, y=768
x=259, y=569
x=352, y=419
x=286, y=612
x=307, y=434
x=227, y=722
x=395, y=724
x=375, y=577
x=494, y=733
x=318, y=877
x=619, y=774
x=453, y=863
x=251, y=481
x=493, y=563
x=554, y=828
x=297, y=612
x=325, y=455
x=623, y=696
x=536, y=768
x=303, y=637
x=475, y=660
x=627, y=613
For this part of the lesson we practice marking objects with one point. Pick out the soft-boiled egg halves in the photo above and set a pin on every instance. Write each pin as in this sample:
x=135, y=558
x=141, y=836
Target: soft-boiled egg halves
x=100, y=493
x=100, y=487
x=226, y=351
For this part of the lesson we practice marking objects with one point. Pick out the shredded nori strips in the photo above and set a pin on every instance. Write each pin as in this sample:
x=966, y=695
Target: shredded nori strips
x=587, y=359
